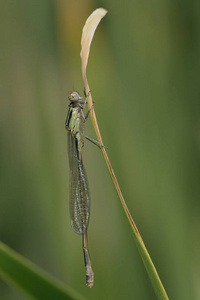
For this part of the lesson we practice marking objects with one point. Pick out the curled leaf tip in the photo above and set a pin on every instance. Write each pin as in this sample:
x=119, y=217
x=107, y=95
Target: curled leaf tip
x=87, y=36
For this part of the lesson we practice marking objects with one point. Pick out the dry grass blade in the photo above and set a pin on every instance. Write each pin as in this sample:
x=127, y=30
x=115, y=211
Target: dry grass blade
x=87, y=36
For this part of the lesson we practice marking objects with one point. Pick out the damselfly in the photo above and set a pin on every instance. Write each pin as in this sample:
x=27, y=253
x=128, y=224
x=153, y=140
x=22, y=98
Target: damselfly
x=79, y=193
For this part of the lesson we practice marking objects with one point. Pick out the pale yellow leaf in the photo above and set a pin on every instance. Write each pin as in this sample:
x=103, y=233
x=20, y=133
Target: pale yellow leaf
x=87, y=36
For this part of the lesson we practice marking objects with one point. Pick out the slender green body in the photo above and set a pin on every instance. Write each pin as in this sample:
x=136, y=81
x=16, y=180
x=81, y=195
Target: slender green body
x=79, y=192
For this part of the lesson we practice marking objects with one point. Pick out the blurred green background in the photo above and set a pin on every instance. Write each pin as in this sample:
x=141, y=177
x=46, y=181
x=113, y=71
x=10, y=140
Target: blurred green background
x=144, y=71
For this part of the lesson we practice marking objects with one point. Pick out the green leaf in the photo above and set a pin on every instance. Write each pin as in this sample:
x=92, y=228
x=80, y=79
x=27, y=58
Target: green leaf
x=30, y=279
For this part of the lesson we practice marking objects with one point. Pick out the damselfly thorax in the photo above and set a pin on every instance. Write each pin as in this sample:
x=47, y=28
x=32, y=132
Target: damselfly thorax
x=75, y=119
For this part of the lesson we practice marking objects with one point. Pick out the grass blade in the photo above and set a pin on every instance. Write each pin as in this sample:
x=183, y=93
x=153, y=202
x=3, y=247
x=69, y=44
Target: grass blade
x=30, y=279
x=87, y=36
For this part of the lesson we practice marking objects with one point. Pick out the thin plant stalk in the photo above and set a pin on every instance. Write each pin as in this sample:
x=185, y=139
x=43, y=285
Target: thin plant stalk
x=87, y=36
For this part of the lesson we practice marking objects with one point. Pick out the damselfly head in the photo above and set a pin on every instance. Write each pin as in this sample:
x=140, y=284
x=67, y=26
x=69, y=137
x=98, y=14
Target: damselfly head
x=75, y=97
